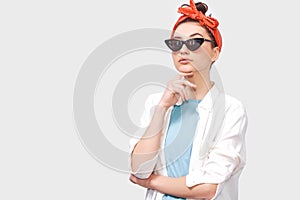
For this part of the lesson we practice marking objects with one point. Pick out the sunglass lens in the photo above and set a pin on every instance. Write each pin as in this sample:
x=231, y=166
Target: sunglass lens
x=193, y=44
x=174, y=45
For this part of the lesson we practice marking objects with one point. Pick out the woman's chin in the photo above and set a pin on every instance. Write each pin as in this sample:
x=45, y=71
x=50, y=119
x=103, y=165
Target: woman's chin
x=189, y=69
x=186, y=69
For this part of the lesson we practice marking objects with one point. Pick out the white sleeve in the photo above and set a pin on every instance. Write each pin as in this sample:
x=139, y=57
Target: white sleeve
x=146, y=168
x=228, y=156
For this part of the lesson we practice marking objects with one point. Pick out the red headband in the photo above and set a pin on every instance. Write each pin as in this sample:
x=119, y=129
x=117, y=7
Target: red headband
x=209, y=22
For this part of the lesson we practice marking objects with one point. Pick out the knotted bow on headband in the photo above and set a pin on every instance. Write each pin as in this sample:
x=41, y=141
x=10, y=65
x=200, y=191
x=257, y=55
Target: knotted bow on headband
x=209, y=22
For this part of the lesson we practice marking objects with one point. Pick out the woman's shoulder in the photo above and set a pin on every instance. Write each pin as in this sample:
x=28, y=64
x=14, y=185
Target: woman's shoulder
x=234, y=104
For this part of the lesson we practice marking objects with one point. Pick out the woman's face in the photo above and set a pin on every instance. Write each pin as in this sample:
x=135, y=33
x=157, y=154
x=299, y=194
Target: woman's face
x=199, y=60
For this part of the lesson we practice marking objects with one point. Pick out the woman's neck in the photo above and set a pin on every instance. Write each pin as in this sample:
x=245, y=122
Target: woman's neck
x=203, y=83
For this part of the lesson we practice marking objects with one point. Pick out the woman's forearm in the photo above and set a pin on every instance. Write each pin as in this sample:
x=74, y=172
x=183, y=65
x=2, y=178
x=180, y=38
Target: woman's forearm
x=149, y=145
x=177, y=187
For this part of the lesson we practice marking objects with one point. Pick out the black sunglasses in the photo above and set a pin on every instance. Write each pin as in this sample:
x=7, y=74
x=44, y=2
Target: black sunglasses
x=192, y=44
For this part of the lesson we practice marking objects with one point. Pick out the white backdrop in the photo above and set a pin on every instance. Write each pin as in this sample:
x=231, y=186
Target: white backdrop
x=43, y=45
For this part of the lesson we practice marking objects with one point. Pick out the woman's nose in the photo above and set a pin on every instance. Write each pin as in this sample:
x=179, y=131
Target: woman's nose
x=184, y=50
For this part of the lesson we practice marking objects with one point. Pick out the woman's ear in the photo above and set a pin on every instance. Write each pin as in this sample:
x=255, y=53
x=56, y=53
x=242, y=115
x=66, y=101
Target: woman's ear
x=216, y=53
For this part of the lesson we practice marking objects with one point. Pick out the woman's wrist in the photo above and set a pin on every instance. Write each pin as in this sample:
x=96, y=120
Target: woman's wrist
x=163, y=106
x=153, y=184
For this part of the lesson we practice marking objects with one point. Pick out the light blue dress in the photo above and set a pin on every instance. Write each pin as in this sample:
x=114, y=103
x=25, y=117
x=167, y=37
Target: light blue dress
x=179, y=140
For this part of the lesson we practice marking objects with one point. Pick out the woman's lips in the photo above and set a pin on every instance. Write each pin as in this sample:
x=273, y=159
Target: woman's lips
x=184, y=61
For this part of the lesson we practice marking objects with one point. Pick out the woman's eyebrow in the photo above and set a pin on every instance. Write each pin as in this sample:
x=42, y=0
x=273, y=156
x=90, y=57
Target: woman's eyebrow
x=196, y=34
x=178, y=37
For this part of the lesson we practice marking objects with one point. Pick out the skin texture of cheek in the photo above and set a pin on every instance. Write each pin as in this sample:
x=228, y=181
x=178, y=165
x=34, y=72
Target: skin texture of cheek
x=201, y=60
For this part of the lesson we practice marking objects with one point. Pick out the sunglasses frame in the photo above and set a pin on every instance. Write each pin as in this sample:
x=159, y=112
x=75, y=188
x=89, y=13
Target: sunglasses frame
x=200, y=40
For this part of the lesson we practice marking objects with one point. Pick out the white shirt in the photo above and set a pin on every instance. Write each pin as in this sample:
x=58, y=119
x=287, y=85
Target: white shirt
x=218, y=155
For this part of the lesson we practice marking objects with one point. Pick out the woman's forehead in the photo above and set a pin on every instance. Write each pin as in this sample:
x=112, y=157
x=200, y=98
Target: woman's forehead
x=190, y=29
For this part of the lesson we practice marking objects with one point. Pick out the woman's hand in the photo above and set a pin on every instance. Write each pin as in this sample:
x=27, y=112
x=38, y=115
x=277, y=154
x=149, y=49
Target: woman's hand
x=146, y=183
x=176, y=88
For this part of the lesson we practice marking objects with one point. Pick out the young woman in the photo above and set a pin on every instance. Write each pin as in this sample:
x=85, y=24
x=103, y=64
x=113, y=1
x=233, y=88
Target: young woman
x=194, y=145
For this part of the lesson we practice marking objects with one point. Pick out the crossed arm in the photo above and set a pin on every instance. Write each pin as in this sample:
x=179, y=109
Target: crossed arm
x=176, y=186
